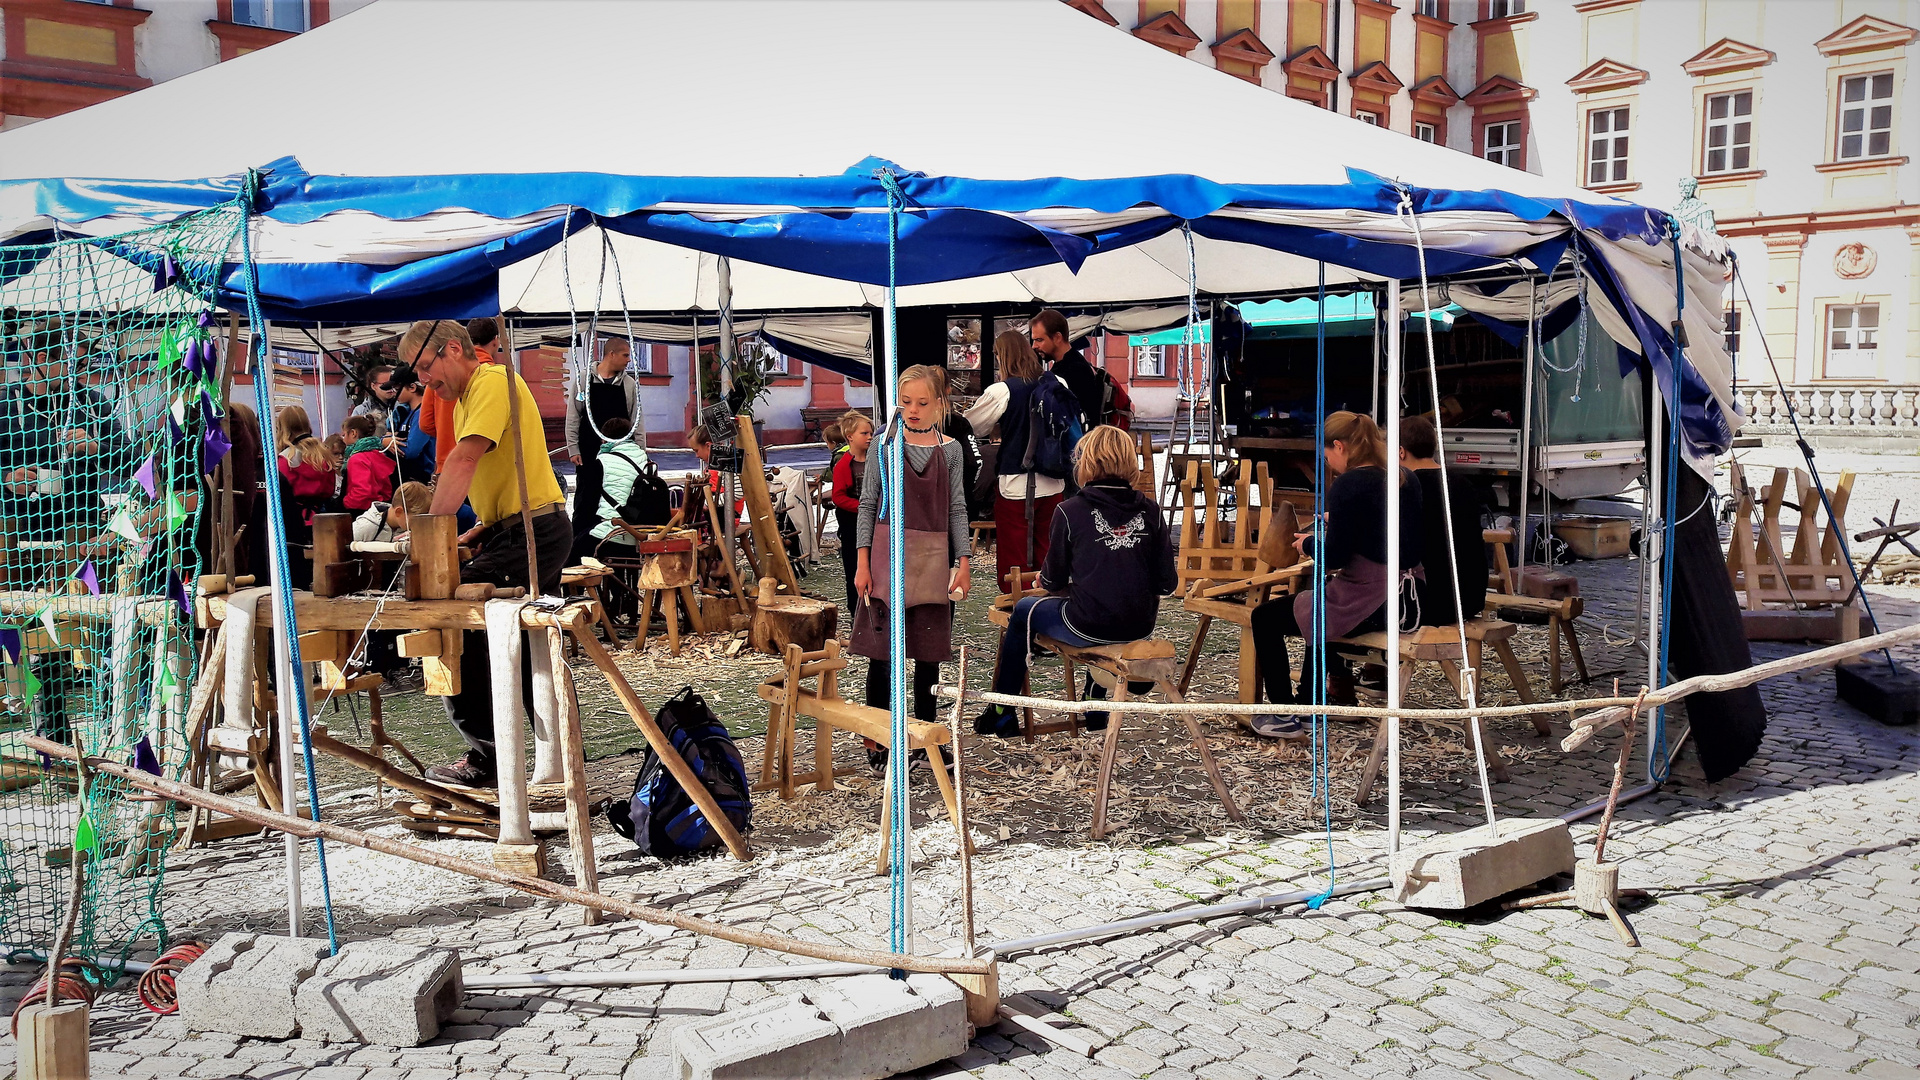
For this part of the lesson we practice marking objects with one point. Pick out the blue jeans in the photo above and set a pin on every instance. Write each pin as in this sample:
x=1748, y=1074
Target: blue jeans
x=1033, y=617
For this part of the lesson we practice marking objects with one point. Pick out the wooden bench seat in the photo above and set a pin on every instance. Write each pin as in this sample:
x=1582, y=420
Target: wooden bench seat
x=1503, y=600
x=1441, y=645
x=1148, y=660
x=788, y=700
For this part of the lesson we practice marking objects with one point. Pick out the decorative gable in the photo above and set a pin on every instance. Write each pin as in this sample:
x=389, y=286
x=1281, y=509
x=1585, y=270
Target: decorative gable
x=1093, y=8
x=1499, y=90
x=1313, y=63
x=1865, y=34
x=1170, y=32
x=1727, y=55
x=1607, y=75
x=1435, y=91
x=1377, y=76
x=1245, y=46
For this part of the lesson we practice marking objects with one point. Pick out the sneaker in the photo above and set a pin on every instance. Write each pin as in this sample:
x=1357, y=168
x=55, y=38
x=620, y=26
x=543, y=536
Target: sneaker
x=877, y=758
x=1093, y=721
x=919, y=761
x=470, y=770
x=1270, y=726
x=997, y=721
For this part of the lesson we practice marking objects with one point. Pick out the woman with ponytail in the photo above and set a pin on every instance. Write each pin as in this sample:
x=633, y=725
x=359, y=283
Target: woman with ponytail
x=1352, y=545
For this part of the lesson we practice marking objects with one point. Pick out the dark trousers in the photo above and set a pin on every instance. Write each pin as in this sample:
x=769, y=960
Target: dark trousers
x=589, y=480
x=502, y=561
x=1273, y=624
x=847, y=522
x=925, y=674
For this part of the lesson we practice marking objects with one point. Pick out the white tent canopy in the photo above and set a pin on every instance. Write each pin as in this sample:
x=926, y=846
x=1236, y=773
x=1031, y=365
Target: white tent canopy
x=718, y=117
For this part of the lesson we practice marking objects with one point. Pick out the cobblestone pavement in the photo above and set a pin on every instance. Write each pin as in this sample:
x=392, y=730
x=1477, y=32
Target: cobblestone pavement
x=1781, y=940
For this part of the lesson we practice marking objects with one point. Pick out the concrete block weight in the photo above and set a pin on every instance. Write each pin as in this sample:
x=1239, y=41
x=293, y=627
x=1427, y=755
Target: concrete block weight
x=245, y=985
x=861, y=1026
x=381, y=993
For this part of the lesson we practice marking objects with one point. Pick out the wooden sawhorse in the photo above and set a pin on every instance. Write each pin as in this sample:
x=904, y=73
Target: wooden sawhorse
x=788, y=700
x=1149, y=660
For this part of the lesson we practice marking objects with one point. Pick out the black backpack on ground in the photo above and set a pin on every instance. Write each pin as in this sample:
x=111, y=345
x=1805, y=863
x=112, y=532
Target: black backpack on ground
x=661, y=818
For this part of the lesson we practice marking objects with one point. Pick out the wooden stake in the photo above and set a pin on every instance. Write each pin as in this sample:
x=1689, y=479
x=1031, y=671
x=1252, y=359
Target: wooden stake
x=942, y=965
x=573, y=761
x=519, y=454
x=53, y=1042
x=960, y=817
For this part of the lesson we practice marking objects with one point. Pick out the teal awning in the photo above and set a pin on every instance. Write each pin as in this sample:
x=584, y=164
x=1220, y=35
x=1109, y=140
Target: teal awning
x=1347, y=316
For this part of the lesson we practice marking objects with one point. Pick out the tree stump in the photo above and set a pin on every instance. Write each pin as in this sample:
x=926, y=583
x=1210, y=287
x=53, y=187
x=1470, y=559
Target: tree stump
x=779, y=621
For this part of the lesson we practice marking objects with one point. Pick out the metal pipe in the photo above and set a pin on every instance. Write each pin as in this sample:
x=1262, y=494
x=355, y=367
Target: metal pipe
x=292, y=681
x=1395, y=348
x=1180, y=915
x=663, y=976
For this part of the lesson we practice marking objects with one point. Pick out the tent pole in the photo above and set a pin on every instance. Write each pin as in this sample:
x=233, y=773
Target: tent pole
x=1522, y=536
x=291, y=681
x=1653, y=542
x=1394, y=689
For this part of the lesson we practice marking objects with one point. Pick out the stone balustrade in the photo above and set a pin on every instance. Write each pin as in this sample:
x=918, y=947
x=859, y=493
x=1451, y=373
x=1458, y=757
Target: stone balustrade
x=1865, y=411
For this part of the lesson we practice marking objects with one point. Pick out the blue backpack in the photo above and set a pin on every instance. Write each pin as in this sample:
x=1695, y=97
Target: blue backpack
x=661, y=818
x=1054, y=427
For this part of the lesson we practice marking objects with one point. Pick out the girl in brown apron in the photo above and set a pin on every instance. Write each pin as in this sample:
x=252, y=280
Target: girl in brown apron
x=934, y=515
x=1353, y=550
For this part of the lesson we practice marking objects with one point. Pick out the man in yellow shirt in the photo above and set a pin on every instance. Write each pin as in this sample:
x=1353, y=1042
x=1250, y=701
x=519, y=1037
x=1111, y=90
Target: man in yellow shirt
x=481, y=471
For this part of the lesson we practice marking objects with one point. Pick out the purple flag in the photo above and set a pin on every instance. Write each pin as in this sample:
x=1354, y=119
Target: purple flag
x=145, y=478
x=89, y=577
x=190, y=356
x=144, y=758
x=174, y=431
x=165, y=274
x=217, y=447
x=10, y=643
x=177, y=592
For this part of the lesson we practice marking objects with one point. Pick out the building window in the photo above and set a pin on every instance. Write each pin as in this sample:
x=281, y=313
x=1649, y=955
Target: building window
x=1150, y=361
x=1426, y=132
x=1729, y=132
x=1500, y=9
x=1853, y=345
x=1733, y=337
x=1606, y=146
x=272, y=14
x=1432, y=9
x=1366, y=117
x=1501, y=143
x=1866, y=116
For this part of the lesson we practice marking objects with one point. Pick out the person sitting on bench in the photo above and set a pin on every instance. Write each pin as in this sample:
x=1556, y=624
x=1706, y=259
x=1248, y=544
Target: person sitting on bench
x=1354, y=552
x=1419, y=452
x=1109, y=560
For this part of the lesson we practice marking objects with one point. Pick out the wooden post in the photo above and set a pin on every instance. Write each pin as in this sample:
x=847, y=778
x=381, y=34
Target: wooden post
x=766, y=531
x=519, y=454
x=435, y=537
x=573, y=760
x=53, y=1042
x=332, y=535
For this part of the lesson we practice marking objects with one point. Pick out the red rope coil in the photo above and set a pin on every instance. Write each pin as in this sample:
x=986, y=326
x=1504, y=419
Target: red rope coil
x=158, y=990
x=79, y=981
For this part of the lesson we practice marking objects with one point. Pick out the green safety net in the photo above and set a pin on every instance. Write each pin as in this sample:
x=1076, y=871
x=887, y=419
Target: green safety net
x=110, y=413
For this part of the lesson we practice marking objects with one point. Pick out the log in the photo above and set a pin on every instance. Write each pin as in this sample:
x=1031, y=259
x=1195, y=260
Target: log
x=53, y=1042
x=779, y=621
x=546, y=890
x=372, y=763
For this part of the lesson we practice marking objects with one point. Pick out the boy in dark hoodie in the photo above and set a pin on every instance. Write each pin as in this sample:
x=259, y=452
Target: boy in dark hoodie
x=1109, y=561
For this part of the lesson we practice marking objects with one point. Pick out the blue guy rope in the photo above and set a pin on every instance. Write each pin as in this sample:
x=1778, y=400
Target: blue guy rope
x=277, y=534
x=892, y=462
x=1322, y=750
